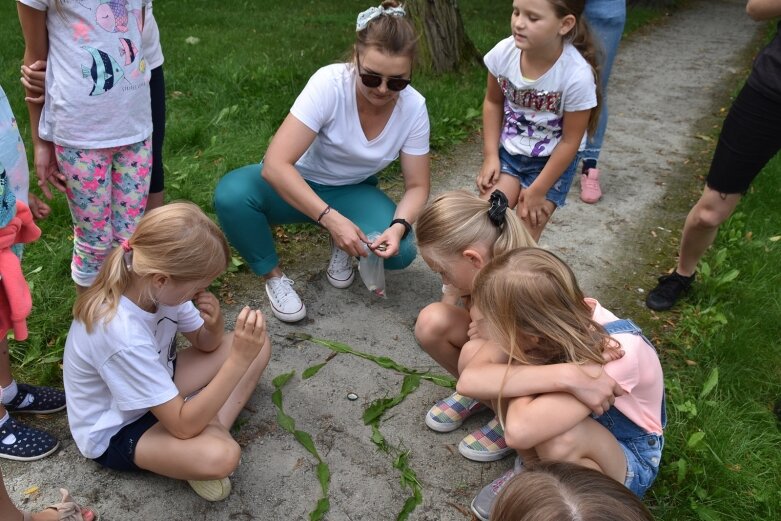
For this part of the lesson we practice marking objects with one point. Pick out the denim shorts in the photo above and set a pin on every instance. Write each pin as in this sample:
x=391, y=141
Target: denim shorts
x=643, y=450
x=526, y=169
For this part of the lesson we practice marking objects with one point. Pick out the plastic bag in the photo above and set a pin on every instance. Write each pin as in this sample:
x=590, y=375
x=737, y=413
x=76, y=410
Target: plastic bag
x=372, y=269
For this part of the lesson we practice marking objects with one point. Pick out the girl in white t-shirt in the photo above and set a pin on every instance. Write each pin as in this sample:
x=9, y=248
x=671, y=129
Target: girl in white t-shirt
x=530, y=311
x=350, y=122
x=91, y=137
x=134, y=401
x=541, y=97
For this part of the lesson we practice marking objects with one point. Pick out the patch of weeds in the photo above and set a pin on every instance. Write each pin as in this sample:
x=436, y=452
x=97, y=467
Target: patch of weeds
x=305, y=439
x=374, y=413
x=383, y=361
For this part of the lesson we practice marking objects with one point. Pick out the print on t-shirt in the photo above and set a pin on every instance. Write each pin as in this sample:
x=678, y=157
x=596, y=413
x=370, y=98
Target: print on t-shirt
x=536, y=133
x=109, y=66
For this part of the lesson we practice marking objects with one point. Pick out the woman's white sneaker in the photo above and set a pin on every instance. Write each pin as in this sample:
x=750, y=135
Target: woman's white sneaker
x=285, y=302
x=340, y=271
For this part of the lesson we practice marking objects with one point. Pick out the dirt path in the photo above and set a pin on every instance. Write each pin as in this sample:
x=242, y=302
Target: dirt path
x=664, y=82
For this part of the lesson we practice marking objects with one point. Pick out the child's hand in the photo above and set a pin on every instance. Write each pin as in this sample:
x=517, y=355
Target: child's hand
x=209, y=307
x=477, y=330
x=595, y=388
x=38, y=208
x=34, y=80
x=533, y=207
x=46, y=168
x=249, y=335
x=489, y=174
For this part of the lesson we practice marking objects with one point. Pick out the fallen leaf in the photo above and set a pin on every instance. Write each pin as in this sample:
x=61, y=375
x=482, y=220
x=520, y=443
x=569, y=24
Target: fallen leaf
x=30, y=491
x=775, y=238
x=192, y=40
x=691, y=362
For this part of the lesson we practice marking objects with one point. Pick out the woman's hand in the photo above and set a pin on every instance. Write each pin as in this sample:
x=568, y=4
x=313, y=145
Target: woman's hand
x=46, y=168
x=391, y=238
x=346, y=235
x=489, y=174
x=209, y=307
x=34, y=80
x=249, y=335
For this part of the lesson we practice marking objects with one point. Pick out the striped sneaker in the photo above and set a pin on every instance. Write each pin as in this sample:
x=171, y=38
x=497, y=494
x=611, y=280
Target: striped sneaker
x=449, y=413
x=486, y=443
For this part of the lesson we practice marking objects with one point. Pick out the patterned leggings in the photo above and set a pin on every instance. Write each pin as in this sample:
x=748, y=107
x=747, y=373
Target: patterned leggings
x=107, y=190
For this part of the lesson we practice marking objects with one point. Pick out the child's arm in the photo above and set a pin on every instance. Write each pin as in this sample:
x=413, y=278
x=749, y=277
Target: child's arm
x=187, y=419
x=207, y=338
x=531, y=421
x=763, y=9
x=484, y=373
x=533, y=198
x=493, y=115
x=36, y=47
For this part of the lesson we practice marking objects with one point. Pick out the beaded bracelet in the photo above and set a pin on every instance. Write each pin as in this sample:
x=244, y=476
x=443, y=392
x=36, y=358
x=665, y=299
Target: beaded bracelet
x=324, y=212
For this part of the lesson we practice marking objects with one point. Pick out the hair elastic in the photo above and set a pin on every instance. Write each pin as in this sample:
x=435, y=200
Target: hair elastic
x=498, y=210
x=126, y=245
x=374, y=12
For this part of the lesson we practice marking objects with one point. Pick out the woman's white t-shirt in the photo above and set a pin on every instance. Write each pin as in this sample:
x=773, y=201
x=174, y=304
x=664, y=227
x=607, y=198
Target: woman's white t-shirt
x=534, y=109
x=120, y=370
x=341, y=154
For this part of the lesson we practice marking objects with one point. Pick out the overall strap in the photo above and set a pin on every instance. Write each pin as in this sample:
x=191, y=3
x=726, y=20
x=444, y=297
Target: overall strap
x=622, y=326
x=627, y=326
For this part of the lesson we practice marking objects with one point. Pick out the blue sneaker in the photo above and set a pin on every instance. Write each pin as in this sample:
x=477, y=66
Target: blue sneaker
x=32, y=399
x=22, y=443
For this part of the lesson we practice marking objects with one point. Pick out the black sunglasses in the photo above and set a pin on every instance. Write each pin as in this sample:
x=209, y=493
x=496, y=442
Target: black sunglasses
x=375, y=80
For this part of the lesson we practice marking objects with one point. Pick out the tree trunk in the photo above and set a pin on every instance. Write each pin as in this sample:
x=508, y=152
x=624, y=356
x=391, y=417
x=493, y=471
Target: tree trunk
x=443, y=45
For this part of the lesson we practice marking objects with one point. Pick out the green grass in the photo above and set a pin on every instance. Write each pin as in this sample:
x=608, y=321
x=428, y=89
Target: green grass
x=723, y=368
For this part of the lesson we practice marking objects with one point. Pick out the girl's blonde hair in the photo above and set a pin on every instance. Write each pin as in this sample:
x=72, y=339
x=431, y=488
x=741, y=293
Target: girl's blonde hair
x=583, y=40
x=457, y=220
x=536, y=312
x=566, y=492
x=176, y=240
x=534, y=306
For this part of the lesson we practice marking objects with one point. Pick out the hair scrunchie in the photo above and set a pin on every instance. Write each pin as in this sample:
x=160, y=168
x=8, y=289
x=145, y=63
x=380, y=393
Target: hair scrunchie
x=498, y=210
x=373, y=12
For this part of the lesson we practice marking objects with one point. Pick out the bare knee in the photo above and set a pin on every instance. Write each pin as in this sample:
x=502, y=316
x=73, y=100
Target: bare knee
x=705, y=216
x=220, y=459
x=559, y=448
x=431, y=325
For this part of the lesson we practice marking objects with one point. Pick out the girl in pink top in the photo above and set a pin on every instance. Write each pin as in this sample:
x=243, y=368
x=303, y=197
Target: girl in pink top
x=529, y=310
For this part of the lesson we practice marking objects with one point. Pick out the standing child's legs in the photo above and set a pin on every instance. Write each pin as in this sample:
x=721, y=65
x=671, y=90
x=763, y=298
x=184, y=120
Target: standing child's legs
x=106, y=191
x=157, y=95
x=749, y=139
x=509, y=185
x=213, y=454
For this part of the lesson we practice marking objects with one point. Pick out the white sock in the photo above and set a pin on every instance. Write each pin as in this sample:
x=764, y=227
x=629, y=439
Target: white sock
x=4, y=419
x=10, y=392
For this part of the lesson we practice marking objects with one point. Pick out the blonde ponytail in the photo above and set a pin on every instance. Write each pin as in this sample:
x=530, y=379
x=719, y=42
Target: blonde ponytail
x=454, y=221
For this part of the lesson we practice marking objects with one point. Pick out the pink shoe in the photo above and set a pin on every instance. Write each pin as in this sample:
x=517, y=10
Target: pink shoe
x=590, y=192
